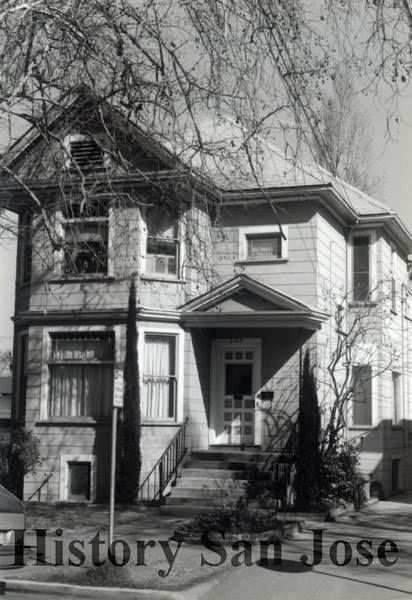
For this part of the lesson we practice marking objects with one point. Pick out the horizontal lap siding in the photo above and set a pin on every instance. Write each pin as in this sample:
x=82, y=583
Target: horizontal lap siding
x=297, y=275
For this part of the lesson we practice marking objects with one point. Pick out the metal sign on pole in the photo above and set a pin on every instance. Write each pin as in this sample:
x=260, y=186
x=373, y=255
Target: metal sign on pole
x=117, y=403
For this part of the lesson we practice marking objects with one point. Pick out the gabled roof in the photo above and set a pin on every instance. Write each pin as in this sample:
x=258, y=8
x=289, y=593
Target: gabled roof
x=236, y=164
x=249, y=303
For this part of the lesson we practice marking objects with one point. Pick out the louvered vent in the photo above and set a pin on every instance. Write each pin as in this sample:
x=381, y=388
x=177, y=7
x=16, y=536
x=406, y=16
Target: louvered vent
x=86, y=155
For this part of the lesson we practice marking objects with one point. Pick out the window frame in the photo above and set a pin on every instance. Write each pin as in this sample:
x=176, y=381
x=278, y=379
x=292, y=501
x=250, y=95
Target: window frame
x=371, y=235
x=263, y=231
x=92, y=220
x=396, y=393
x=178, y=333
x=50, y=362
x=180, y=250
x=354, y=424
x=26, y=248
x=65, y=459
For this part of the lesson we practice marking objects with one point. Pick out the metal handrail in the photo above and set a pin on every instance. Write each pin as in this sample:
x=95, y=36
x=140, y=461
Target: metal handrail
x=39, y=489
x=165, y=469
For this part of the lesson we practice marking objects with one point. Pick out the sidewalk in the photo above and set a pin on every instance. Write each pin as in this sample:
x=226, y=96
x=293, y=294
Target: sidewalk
x=170, y=566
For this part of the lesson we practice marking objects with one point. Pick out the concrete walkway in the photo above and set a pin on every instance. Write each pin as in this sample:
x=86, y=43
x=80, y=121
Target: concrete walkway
x=391, y=520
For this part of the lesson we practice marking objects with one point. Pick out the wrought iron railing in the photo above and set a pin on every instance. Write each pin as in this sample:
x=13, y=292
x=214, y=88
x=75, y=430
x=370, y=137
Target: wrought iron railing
x=153, y=487
x=41, y=486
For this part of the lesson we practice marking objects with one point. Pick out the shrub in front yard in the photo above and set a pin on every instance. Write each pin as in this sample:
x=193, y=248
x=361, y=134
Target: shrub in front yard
x=340, y=478
x=18, y=458
x=233, y=518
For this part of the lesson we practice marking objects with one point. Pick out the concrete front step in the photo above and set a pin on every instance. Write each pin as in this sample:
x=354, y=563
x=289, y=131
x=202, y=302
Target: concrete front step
x=209, y=492
x=208, y=483
x=202, y=500
x=231, y=465
x=231, y=474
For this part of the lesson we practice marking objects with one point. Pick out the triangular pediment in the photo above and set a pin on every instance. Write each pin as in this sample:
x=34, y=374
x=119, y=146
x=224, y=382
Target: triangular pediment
x=242, y=294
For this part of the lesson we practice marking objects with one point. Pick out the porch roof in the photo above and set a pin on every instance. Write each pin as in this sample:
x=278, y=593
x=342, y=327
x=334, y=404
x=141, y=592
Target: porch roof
x=245, y=302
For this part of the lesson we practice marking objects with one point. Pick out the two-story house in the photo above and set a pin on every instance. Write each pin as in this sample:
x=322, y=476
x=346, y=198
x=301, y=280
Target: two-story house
x=238, y=257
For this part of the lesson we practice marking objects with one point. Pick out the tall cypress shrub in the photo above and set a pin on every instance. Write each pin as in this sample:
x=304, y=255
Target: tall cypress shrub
x=130, y=423
x=308, y=455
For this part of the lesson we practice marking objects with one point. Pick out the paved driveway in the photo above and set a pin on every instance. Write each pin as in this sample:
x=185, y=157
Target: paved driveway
x=366, y=572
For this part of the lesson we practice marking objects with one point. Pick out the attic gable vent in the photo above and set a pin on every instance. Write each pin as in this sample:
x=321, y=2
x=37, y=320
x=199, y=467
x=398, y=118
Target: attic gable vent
x=85, y=154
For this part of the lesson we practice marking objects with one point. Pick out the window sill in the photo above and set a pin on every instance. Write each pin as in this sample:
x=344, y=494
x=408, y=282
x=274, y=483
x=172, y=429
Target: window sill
x=362, y=304
x=360, y=427
x=261, y=261
x=72, y=421
x=164, y=279
x=83, y=278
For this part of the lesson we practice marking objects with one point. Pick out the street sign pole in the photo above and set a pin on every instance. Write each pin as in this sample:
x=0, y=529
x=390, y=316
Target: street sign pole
x=113, y=475
x=117, y=403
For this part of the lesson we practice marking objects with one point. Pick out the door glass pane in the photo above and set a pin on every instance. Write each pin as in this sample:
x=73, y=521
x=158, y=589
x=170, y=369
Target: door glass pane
x=79, y=481
x=238, y=380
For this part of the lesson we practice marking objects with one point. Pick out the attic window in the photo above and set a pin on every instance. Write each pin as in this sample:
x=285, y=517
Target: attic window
x=85, y=154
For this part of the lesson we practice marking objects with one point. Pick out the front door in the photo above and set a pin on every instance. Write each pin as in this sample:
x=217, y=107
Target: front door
x=234, y=382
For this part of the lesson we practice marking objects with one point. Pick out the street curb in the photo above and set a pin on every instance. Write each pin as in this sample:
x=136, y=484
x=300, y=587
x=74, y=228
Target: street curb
x=37, y=587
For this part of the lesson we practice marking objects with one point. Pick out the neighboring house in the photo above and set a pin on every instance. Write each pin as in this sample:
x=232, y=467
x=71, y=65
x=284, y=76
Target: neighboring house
x=5, y=398
x=236, y=273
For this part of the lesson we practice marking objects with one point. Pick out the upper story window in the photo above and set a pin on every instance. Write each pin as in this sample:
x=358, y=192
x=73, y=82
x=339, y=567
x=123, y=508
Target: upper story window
x=362, y=395
x=81, y=374
x=262, y=243
x=84, y=153
x=85, y=230
x=394, y=290
x=26, y=248
x=162, y=244
x=361, y=268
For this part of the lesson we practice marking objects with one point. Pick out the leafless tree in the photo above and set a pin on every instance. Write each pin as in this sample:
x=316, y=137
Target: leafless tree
x=163, y=65
x=361, y=335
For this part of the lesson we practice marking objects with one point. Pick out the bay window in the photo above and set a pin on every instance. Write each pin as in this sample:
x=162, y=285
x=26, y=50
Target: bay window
x=81, y=374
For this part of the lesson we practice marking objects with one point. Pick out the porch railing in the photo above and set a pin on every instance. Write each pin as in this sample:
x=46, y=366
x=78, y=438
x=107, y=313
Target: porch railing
x=153, y=487
x=41, y=486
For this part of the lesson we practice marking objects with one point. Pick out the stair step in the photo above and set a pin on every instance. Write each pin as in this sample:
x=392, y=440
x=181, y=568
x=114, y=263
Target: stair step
x=213, y=473
x=200, y=500
x=230, y=465
x=208, y=483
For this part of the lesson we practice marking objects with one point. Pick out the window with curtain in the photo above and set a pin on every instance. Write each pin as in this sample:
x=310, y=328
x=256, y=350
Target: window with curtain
x=159, y=377
x=362, y=395
x=81, y=375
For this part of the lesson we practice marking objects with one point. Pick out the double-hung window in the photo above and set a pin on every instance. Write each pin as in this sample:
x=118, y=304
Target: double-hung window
x=159, y=377
x=362, y=395
x=361, y=268
x=263, y=243
x=162, y=244
x=264, y=246
x=81, y=374
x=85, y=232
